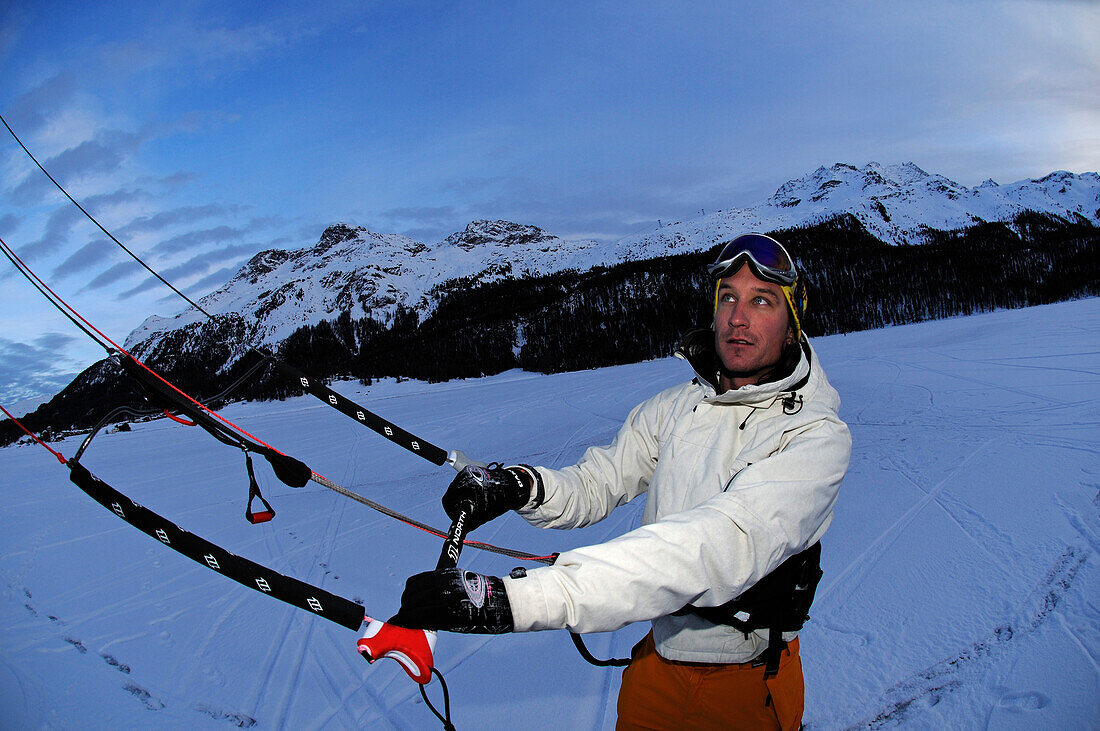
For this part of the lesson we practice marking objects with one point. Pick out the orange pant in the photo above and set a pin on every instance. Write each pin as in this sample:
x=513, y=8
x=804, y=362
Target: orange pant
x=662, y=694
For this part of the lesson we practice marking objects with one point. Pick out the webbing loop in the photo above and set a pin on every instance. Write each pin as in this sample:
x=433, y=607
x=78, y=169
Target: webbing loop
x=254, y=492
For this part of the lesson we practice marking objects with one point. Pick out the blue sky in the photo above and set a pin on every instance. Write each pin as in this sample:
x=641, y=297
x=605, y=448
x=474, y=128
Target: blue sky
x=201, y=133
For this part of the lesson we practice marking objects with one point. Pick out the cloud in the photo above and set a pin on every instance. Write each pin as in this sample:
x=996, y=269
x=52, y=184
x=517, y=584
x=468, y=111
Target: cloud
x=148, y=284
x=104, y=154
x=58, y=225
x=434, y=214
x=14, y=20
x=203, y=262
x=262, y=222
x=31, y=110
x=163, y=219
x=62, y=220
x=86, y=257
x=192, y=239
x=208, y=50
x=53, y=340
x=212, y=280
x=421, y=223
x=117, y=272
x=196, y=265
x=204, y=122
x=174, y=180
x=9, y=222
x=595, y=208
x=29, y=371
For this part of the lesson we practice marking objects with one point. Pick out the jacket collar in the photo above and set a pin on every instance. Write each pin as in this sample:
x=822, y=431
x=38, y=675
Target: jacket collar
x=697, y=348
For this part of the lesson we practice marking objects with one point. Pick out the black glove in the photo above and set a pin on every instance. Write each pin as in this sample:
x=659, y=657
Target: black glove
x=455, y=600
x=488, y=492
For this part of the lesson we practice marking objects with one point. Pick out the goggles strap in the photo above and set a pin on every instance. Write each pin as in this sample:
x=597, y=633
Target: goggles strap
x=787, y=292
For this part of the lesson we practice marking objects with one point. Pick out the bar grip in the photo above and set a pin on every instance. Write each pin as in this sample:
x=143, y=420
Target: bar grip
x=452, y=547
x=413, y=647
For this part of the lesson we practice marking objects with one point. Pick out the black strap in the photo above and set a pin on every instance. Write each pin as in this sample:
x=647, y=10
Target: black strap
x=389, y=430
x=253, y=493
x=772, y=653
x=247, y=573
x=615, y=662
x=782, y=598
x=780, y=602
x=289, y=470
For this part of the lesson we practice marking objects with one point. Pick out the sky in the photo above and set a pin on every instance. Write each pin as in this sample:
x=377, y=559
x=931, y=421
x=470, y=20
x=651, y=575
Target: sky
x=201, y=133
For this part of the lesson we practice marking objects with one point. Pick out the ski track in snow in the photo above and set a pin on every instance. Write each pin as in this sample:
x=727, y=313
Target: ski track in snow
x=863, y=564
x=984, y=535
x=327, y=548
x=976, y=453
x=930, y=686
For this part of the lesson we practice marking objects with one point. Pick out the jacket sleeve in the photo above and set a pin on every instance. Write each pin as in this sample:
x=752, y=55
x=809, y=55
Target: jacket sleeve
x=706, y=555
x=605, y=477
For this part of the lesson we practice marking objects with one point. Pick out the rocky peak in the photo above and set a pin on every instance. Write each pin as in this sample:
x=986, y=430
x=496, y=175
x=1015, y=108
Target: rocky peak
x=902, y=174
x=1058, y=176
x=336, y=234
x=262, y=263
x=505, y=233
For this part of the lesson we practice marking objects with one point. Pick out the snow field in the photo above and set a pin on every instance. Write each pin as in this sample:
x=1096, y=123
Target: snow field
x=960, y=572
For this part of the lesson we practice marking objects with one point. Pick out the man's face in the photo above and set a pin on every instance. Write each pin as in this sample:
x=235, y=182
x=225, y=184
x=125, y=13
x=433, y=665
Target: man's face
x=750, y=328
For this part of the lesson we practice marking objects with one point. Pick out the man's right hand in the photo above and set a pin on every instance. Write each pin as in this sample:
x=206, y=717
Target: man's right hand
x=488, y=492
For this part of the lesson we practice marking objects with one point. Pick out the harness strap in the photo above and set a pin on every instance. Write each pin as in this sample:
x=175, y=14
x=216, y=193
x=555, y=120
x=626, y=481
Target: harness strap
x=774, y=651
x=780, y=602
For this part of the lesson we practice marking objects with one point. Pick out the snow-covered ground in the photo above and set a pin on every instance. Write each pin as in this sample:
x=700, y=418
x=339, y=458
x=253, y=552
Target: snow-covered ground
x=961, y=579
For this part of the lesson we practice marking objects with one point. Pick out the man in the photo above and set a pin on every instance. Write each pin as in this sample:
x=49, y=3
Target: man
x=741, y=466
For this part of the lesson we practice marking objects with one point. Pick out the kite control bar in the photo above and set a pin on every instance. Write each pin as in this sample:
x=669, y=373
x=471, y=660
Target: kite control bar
x=413, y=648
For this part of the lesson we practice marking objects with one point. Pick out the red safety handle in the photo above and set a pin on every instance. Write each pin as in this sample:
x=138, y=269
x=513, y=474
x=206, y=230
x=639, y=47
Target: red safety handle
x=410, y=647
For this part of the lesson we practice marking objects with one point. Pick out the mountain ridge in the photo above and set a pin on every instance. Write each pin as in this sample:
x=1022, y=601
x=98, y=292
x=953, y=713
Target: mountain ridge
x=376, y=275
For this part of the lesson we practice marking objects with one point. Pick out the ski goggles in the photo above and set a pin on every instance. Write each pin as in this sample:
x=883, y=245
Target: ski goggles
x=767, y=257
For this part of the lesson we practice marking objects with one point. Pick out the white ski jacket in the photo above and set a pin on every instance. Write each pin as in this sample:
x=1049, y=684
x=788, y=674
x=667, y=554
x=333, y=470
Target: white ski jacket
x=736, y=482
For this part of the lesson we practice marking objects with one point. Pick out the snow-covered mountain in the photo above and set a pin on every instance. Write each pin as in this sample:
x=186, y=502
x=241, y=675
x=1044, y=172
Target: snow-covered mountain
x=898, y=204
x=368, y=274
x=351, y=269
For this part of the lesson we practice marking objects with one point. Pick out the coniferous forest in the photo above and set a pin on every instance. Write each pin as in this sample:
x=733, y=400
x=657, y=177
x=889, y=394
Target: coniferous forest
x=626, y=313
